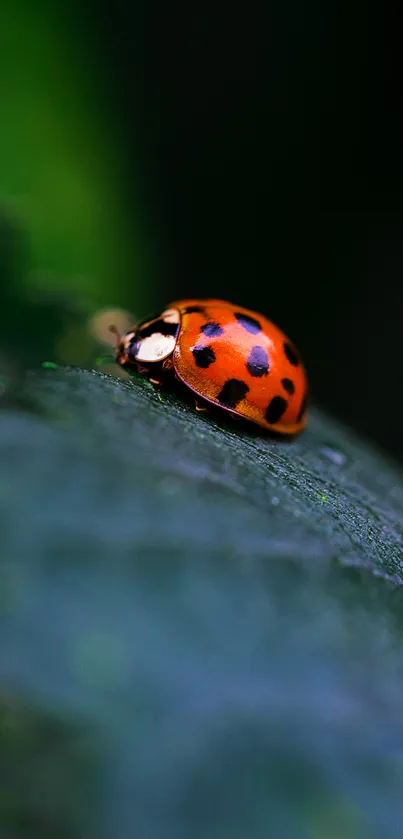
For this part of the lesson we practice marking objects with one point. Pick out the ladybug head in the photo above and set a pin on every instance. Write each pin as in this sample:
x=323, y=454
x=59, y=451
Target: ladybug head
x=150, y=342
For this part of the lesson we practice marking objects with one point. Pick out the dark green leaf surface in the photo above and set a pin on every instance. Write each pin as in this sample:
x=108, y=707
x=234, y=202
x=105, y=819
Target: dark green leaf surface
x=200, y=627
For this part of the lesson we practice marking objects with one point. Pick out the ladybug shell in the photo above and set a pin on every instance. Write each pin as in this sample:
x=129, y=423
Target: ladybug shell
x=240, y=361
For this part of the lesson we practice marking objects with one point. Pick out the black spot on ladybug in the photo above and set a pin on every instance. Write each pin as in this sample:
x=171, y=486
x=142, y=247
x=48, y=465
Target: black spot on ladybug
x=191, y=309
x=250, y=324
x=276, y=409
x=288, y=385
x=203, y=356
x=212, y=330
x=291, y=354
x=258, y=362
x=302, y=408
x=233, y=392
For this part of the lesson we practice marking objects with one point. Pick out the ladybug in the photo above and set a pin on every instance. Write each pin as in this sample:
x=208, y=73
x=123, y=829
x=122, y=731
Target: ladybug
x=228, y=356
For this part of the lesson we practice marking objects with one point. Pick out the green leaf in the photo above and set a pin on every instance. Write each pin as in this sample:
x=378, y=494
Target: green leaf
x=200, y=627
x=49, y=365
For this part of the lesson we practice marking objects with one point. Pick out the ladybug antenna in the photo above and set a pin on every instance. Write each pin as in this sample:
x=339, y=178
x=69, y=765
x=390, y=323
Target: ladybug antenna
x=112, y=328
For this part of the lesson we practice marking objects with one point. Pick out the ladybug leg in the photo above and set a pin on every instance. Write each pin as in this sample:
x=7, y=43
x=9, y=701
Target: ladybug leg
x=200, y=406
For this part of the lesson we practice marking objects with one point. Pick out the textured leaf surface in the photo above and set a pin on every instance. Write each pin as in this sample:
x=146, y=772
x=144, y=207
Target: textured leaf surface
x=200, y=627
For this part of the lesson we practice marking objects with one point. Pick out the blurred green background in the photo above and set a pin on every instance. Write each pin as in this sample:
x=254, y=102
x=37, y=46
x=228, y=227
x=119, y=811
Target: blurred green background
x=73, y=239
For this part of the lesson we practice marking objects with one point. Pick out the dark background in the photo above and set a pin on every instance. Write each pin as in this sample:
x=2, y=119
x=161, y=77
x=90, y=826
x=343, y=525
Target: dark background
x=253, y=154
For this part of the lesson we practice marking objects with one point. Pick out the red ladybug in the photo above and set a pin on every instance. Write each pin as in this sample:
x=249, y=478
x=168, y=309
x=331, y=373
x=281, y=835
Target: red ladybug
x=228, y=356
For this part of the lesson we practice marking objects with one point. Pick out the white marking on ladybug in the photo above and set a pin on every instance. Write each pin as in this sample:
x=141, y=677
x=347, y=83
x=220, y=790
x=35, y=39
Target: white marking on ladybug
x=171, y=316
x=155, y=347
